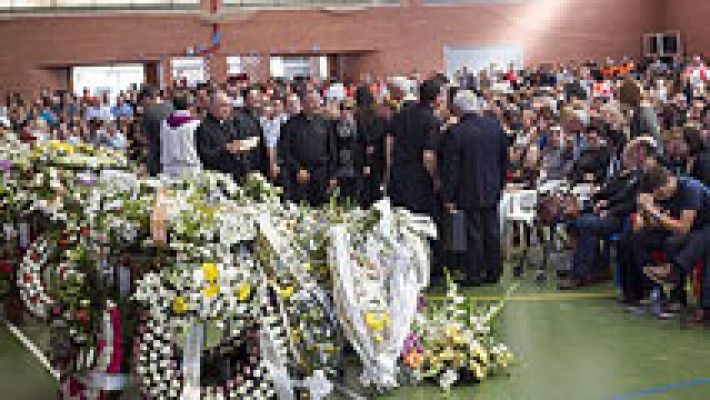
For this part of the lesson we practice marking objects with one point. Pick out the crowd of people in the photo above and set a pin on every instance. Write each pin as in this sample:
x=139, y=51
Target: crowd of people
x=636, y=131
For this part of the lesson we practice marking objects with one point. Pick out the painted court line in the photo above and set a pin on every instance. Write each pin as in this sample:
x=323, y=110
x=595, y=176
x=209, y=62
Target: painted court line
x=32, y=348
x=538, y=297
x=663, y=389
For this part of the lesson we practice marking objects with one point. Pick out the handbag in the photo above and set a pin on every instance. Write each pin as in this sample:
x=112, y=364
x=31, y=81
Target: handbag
x=455, y=232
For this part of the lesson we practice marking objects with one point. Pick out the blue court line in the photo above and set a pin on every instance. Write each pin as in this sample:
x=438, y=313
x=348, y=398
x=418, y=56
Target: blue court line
x=662, y=389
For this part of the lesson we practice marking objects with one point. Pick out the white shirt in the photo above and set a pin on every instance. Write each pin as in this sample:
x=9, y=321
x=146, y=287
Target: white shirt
x=178, y=152
x=272, y=130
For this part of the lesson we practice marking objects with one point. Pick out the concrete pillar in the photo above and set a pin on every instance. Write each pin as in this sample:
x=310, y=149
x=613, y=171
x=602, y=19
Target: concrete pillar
x=218, y=67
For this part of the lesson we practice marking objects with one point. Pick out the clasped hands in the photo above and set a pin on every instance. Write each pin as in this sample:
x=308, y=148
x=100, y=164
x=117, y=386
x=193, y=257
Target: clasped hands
x=303, y=177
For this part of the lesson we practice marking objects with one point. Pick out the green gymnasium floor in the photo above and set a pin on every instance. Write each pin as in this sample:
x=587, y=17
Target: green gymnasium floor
x=570, y=346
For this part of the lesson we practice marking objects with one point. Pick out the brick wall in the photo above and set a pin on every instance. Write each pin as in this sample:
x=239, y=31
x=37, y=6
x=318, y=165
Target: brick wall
x=388, y=39
x=692, y=18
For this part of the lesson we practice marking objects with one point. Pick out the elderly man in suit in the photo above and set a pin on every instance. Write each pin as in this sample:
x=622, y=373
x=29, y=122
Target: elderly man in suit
x=223, y=146
x=474, y=174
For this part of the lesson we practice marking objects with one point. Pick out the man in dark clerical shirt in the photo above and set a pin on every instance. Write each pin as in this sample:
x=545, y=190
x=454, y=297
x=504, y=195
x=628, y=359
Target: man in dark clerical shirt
x=224, y=147
x=308, y=148
x=414, y=132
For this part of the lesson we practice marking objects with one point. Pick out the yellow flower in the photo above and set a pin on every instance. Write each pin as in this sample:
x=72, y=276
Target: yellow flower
x=376, y=322
x=67, y=148
x=447, y=354
x=210, y=272
x=307, y=266
x=452, y=331
x=179, y=305
x=478, y=371
x=296, y=335
x=286, y=292
x=244, y=291
x=211, y=291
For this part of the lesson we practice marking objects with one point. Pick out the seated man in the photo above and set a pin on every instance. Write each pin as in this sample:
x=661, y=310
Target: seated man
x=674, y=216
x=612, y=203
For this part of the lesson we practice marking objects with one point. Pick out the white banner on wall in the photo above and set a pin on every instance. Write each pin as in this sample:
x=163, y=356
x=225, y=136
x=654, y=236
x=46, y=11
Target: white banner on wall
x=109, y=79
x=476, y=58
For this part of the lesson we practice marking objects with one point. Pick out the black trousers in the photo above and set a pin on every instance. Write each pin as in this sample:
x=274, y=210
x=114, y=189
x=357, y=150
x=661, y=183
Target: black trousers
x=483, y=258
x=705, y=285
x=695, y=248
x=371, y=190
x=349, y=188
x=635, y=285
x=315, y=191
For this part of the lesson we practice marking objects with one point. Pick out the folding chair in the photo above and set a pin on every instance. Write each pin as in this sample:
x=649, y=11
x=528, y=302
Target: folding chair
x=520, y=207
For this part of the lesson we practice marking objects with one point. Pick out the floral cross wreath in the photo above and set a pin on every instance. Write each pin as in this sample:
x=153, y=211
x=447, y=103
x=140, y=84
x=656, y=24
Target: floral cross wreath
x=159, y=365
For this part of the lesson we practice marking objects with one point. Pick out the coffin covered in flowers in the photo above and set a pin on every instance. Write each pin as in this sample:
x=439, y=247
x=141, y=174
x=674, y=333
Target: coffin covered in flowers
x=204, y=288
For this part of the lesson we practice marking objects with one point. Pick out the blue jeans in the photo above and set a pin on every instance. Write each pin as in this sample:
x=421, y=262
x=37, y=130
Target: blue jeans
x=589, y=229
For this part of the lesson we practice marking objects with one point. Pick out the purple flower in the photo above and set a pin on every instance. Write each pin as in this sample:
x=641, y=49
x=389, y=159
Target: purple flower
x=5, y=165
x=86, y=179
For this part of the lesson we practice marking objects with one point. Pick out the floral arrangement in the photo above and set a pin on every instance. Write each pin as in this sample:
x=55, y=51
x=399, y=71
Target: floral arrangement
x=228, y=282
x=81, y=155
x=455, y=342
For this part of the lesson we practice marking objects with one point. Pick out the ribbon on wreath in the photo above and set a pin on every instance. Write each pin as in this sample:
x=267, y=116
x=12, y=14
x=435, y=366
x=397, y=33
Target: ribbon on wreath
x=107, y=377
x=24, y=232
x=191, y=361
x=9, y=230
x=399, y=242
x=158, y=227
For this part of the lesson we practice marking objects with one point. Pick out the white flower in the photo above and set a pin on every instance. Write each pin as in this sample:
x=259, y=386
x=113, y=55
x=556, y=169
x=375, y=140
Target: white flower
x=448, y=379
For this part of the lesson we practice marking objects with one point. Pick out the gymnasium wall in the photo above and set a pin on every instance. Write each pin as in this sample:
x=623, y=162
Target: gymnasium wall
x=692, y=18
x=387, y=39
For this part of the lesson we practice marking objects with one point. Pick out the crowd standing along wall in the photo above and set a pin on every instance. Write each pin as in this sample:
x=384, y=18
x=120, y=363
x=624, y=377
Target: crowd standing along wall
x=387, y=40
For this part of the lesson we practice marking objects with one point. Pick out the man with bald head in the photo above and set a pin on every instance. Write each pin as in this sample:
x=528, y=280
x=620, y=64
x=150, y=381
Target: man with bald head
x=222, y=147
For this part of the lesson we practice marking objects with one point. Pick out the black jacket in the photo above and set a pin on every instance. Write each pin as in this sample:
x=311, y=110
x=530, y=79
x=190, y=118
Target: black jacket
x=308, y=142
x=212, y=136
x=247, y=126
x=620, y=192
x=372, y=130
x=701, y=167
x=593, y=161
x=152, y=118
x=475, y=164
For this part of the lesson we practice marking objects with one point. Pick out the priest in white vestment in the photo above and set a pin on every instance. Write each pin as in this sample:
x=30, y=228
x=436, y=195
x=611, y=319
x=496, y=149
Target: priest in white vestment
x=178, y=152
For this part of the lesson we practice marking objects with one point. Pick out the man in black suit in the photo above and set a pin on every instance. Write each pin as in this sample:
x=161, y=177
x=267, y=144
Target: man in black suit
x=308, y=147
x=474, y=174
x=226, y=147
